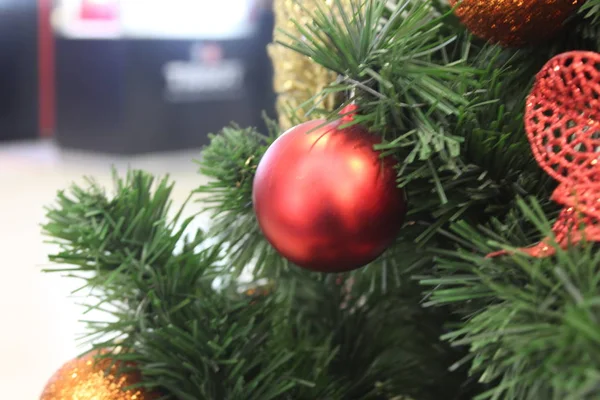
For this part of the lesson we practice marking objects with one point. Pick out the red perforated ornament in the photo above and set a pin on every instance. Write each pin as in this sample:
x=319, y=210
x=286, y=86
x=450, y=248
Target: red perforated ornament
x=562, y=121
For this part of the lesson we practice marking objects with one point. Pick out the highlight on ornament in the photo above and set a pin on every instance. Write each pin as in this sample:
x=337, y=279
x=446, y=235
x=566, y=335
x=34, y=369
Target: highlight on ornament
x=325, y=199
x=88, y=378
x=562, y=121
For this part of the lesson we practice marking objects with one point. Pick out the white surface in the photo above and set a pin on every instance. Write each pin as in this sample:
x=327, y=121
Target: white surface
x=159, y=19
x=39, y=320
x=186, y=18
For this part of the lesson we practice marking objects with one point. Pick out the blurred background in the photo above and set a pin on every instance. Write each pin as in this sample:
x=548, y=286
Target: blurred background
x=90, y=84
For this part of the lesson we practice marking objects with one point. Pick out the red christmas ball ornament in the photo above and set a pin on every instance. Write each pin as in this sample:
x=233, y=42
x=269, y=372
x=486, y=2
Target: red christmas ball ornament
x=325, y=199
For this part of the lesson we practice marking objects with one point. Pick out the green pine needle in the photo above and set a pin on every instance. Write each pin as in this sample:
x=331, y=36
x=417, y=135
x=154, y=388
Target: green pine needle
x=532, y=324
x=366, y=50
x=591, y=9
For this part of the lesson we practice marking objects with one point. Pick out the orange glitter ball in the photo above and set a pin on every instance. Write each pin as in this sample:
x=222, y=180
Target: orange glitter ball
x=85, y=379
x=562, y=120
x=515, y=23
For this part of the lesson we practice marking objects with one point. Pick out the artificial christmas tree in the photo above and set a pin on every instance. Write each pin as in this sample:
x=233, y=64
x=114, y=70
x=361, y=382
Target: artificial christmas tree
x=453, y=309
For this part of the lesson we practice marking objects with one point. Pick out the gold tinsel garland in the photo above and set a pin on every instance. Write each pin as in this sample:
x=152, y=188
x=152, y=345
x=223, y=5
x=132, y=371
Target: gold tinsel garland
x=297, y=78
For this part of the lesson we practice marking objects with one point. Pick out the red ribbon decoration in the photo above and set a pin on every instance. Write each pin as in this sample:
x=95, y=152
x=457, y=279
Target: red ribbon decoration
x=562, y=120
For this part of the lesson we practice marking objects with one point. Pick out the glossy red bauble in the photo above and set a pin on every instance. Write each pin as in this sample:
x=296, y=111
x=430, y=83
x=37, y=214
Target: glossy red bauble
x=325, y=199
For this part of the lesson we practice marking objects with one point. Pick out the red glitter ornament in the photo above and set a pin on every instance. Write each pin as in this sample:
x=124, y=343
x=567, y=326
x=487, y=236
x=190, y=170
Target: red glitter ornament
x=325, y=199
x=88, y=379
x=515, y=23
x=562, y=120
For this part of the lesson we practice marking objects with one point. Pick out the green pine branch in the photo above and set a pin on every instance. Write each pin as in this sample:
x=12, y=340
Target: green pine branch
x=591, y=10
x=107, y=235
x=230, y=162
x=400, y=67
x=311, y=336
x=472, y=123
x=532, y=325
x=189, y=340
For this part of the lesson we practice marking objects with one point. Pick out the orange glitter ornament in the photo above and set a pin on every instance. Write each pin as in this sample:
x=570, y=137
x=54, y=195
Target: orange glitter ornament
x=86, y=379
x=515, y=23
x=562, y=121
